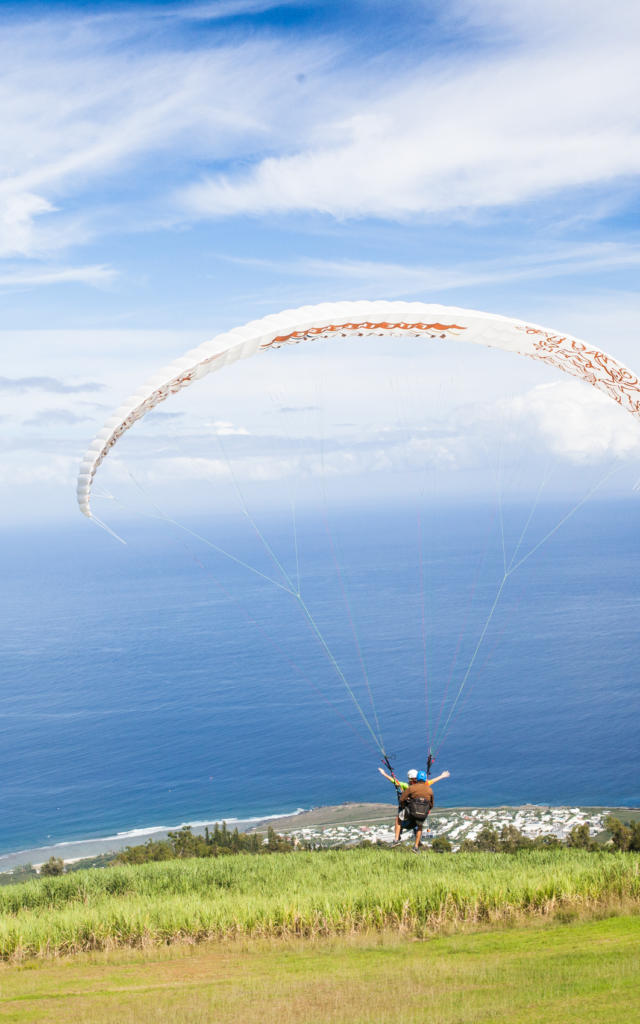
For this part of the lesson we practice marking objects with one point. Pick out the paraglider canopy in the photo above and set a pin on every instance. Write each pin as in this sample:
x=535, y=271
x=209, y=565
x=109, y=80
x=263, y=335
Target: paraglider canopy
x=357, y=319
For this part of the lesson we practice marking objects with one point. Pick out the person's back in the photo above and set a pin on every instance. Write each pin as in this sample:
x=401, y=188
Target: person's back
x=417, y=792
x=418, y=800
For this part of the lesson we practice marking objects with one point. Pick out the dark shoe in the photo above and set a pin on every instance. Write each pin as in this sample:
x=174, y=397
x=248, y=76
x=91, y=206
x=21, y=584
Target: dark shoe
x=397, y=842
x=415, y=849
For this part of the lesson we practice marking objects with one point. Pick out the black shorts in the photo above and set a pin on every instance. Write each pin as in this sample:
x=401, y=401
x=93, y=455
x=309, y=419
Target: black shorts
x=407, y=822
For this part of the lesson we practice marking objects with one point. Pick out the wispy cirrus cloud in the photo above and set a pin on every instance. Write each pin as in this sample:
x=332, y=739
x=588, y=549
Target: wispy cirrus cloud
x=49, y=384
x=550, y=107
x=55, y=418
x=217, y=10
x=17, y=276
x=88, y=100
x=105, y=114
x=123, y=126
x=397, y=279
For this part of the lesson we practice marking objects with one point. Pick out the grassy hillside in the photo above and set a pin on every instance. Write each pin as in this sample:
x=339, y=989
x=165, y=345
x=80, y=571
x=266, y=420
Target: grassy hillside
x=584, y=971
x=310, y=894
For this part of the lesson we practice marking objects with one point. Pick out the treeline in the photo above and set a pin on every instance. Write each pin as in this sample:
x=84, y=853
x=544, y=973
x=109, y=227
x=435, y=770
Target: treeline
x=22, y=873
x=625, y=836
x=182, y=843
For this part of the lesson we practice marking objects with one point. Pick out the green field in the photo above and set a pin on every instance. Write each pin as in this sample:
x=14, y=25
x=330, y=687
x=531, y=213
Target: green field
x=342, y=892
x=540, y=974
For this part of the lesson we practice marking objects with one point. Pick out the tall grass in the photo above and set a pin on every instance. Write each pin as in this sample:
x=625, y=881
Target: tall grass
x=336, y=892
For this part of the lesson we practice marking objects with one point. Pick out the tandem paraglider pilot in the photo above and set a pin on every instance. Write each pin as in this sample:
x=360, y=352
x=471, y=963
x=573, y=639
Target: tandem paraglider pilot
x=415, y=801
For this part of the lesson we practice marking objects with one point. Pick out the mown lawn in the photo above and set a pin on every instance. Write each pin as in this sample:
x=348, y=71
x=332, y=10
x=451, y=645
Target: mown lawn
x=542, y=974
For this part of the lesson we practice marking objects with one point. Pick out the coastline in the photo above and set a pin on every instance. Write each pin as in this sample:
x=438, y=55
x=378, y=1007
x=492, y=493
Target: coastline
x=78, y=849
x=352, y=815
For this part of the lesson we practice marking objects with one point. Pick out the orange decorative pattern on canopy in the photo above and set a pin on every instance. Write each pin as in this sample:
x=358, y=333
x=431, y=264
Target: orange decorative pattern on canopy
x=590, y=364
x=366, y=327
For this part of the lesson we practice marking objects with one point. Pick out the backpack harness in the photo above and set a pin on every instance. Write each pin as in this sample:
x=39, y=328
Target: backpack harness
x=418, y=808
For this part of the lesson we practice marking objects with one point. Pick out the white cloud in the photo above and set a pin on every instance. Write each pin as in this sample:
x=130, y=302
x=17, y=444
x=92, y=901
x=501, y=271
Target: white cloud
x=18, y=214
x=223, y=428
x=397, y=279
x=85, y=99
x=55, y=418
x=555, y=110
x=92, y=102
x=52, y=469
x=217, y=9
x=52, y=385
x=252, y=469
x=575, y=422
x=564, y=422
x=16, y=277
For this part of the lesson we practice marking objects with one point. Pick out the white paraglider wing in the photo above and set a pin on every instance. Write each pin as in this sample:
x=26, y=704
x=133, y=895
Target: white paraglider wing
x=356, y=319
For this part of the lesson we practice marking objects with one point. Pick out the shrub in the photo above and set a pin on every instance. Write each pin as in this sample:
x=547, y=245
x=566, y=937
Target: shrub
x=579, y=838
x=441, y=845
x=54, y=866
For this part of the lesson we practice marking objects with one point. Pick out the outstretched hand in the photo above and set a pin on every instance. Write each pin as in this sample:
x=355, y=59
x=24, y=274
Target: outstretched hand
x=445, y=775
x=390, y=778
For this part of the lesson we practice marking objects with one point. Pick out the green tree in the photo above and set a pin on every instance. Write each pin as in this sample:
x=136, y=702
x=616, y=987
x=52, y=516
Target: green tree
x=185, y=844
x=487, y=839
x=548, y=842
x=512, y=839
x=621, y=834
x=21, y=873
x=182, y=843
x=54, y=866
x=153, y=850
x=441, y=845
x=579, y=838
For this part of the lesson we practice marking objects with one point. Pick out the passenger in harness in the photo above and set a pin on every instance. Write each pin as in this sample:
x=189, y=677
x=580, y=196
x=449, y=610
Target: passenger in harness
x=415, y=800
x=412, y=775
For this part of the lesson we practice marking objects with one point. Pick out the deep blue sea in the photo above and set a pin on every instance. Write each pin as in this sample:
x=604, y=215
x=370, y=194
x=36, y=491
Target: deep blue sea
x=159, y=682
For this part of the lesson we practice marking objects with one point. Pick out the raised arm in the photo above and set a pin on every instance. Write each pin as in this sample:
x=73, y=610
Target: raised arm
x=445, y=775
x=396, y=782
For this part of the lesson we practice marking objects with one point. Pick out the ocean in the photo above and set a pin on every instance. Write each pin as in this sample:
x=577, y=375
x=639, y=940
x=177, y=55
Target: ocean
x=161, y=682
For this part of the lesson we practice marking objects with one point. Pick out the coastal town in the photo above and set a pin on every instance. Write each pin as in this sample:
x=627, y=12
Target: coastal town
x=351, y=824
x=338, y=827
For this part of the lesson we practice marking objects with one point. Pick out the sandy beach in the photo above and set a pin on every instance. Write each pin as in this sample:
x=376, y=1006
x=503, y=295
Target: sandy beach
x=79, y=849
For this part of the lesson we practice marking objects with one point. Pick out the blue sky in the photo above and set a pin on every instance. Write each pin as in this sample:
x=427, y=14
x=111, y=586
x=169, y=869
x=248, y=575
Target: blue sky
x=172, y=170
